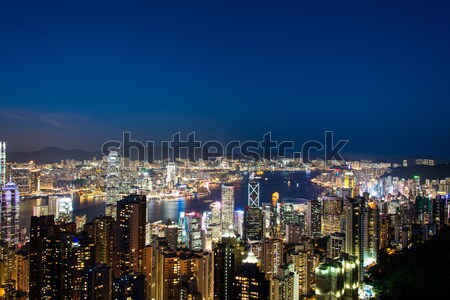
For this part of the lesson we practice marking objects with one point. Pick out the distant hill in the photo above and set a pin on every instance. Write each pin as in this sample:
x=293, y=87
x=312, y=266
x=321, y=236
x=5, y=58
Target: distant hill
x=425, y=172
x=49, y=155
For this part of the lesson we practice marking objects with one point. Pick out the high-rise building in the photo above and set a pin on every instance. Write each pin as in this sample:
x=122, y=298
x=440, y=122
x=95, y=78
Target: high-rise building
x=112, y=184
x=9, y=214
x=371, y=233
x=227, y=207
x=253, y=224
x=332, y=209
x=131, y=216
x=58, y=259
x=103, y=231
x=239, y=222
x=271, y=256
x=335, y=245
x=285, y=286
x=293, y=233
x=303, y=260
x=129, y=286
x=41, y=228
x=21, y=176
x=253, y=193
x=204, y=272
x=313, y=219
x=9, y=231
x=354, y=231
x=80, y=221
x=22, y=270
x=2, y=164
x=98, y=283
x=227, y=260
x=35, y=181
x=213, y=225
x=171, y=173
x=64, y=210
x=337, y=279
x=249, y=283
x=167, y=274
x=194, y=231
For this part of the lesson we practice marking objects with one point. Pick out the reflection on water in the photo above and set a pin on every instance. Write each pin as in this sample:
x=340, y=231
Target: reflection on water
x=298, y=189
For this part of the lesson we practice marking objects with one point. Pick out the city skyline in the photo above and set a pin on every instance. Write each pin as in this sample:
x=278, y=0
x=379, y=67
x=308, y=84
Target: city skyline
x=235, y=150
x=75, y=75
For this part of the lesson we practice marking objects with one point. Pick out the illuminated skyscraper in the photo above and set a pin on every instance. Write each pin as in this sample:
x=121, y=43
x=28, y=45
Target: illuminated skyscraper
x=41, y=228
x=103, y=231
x=21, y=176
x=271, y=256
x=253, y=193
x=313, y=217
x=193, y=229
x=337, y=279
x=253, y=224
x=354, y=231
x=9, y=229
x=239, y=222
x=98, y=283
x=371, y=233
x=58, y=259
x=171, y=173
x=204, y=272
x=303, y=260
x=336, y=245
x=9, y=217
x=64, y=210
x=2, y=164
x=249, y=283
x=131, y=216
x=167, y=274
x=112, y=184
x=213, y=225
x=227, y=260
x=227, y=207
x=332, y=210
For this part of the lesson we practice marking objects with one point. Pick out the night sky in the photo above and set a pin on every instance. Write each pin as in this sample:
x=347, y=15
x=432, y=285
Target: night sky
x=74, y=74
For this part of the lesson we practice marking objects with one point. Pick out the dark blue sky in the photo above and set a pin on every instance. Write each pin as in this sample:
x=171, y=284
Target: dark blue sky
x=76, y=73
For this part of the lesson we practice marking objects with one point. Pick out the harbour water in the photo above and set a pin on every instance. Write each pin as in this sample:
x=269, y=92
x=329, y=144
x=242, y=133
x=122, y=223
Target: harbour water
x=295, y=187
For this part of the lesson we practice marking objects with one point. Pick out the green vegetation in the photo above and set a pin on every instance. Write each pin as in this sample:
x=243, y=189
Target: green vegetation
x=422, y=272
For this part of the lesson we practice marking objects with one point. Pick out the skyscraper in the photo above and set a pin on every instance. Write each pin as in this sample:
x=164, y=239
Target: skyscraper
x=313, y=219
x=253, y=193
x=335, y=245
x=112, y=183
x=371, y=233
x=9, y=231
x=249, y=283
x=253, y=223
x=9, y=218
x=171, y=173
x=41, y=228
x=337, y=279
x=103, y=231
x=98, y=283
x=227, y=207
x=131, y=216
x=227, y=260
x=332, y=209
x=354, y=231
x=21, y=175
x=2, y=164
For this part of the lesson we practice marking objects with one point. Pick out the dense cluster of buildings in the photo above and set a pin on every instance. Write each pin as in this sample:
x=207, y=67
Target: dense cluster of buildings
x=271, y=250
